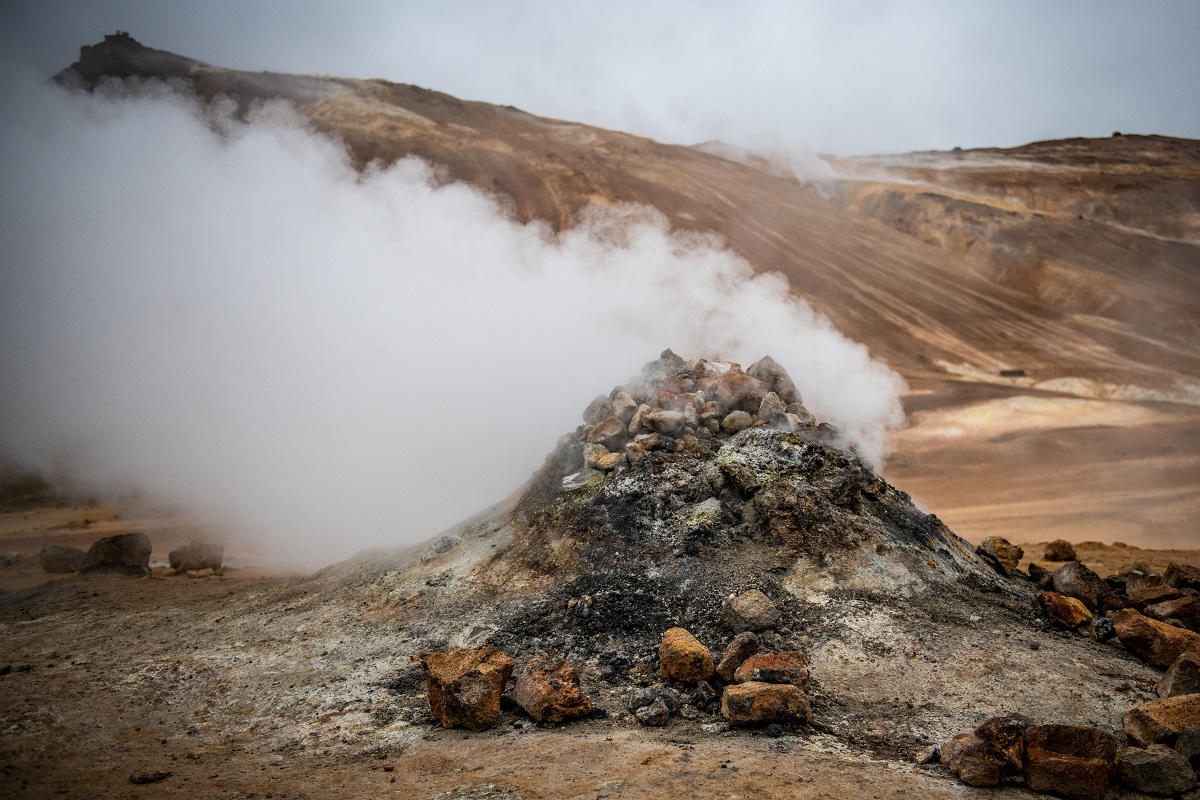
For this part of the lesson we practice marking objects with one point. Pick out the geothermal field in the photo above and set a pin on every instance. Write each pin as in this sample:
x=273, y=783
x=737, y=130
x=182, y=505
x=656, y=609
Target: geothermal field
x=364, y=441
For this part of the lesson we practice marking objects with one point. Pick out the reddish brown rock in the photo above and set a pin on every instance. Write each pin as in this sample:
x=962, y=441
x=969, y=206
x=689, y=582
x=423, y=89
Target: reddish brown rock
x=1182, y=576
x=1157, y=643
x=774, y=668
x=1041, y=576
x=1075, y=580
x=675, y=401
x=464, y=686
x=737, y=651
x=1182, y=677
x=1071, y=761
x=971, y=760
x=1001, y=553
x=1064, y=611
x=683, y=658
x=196, y=556
x=734, y=391
x=1184, y=609
x=549, y=691
x=1156, y=770
x=127, y=554
x=749, y=704
x=1142, y=595
x=1161, y=721
x=1060, y=550
x=610, y=432
x=1005, y=735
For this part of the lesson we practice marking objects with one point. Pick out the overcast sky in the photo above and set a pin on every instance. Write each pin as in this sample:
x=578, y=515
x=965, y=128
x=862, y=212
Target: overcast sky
x=845, y=77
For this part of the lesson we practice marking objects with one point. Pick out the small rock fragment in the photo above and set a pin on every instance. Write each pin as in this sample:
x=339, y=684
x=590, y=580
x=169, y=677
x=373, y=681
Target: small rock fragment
x=548, y=690
x=624, y=407
x=1060, y=550
x=1182, y=677
x=683, y=658
x=55, y=558
x=784, y=667
x=1103, y=629
x=668, y=423
x=148, y=777
x=773, y=412
x=1155, y=770
x=1071, y=761
x=737, y=651
x=754, y=703
x=599, y=458
x=126, y=554
x=464, y=686
x=655, y=715
x=1066, y=612
x=1001, y=553
x=741, y=476
x=1161, y=721
x=751, y=610
x=640, y=698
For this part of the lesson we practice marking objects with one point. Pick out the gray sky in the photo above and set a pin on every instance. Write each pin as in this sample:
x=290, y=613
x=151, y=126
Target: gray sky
x=846, y=77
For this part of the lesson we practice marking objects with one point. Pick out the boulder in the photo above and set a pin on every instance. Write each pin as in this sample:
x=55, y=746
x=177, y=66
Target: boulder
x=774, y=668
x=610, y=432
x=1157, y=643
x=734, y=391
x=754, y=703
x=736, y=421
x=1060, y=550
x=1066, y=612
x=1005, y=735
x=971, y=760
x=1155, y=770
x=1071, y=761
x=736, y=652
x=1182, y=677
x=199, y=555
x=548, y=690
x=126, y=554
x=749, y=611
x=683, y=658
x=1161, y=721
x=772, y=375
x=1182, y=576
x=1075, y=580
x=1185, y=609
x=676, y=401
x=56, y=558
x=668, y=423
x=464, y=686
x=1001, y=553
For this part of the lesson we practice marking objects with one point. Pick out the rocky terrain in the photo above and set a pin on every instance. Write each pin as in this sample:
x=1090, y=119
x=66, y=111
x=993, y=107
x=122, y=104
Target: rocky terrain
x=665, y=509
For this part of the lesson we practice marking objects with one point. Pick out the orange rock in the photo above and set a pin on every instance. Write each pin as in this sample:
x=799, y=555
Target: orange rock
x=1157, y=643
x=1161, y=721
x=774, y=668
x=683, y=658
x=1071, y=761
x=548, y=690
x=464, y=686
x=757, y=703
x=1065, y=611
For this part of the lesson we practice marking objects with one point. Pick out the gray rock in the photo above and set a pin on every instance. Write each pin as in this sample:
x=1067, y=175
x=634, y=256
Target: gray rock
x=774, y=412
x=1075, y=580
x=775, y=378
x=597, y=410
x=641, y=698
x=126, y=554
x=749, y=611
x=1156, y=770
x=1103, y=629
x=736, y=421
x=204, y=555
x=1182, y=677
x=668, y=423
x=654, y=715
x=56, y=558
x=1188, y=746
x=624, y=406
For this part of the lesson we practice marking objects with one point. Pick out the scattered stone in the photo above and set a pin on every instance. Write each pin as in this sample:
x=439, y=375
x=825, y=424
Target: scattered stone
x=640, y=698
x=668, y=423
x=464, y=686
x=773, y=376
x=56, y=558
x=1188, y=746
x=1005, y=735
x=610, y=432
x=1161, y=721
x=773, y=412
x=548, y=690
x=738, y=650
x=749, y=611
x=1103, y=629
x=1185, y=609
x=774, y=668
x=1066, y=612
x=928, y=755
x=1075, y=580
x=736, y=421
x=149, y=777
x=1001, y=553
x=703, y=694
x=1157, y=643
x=599, y=458
x=1072, y=761
x=734, y=391
x=624, y=407
x=683, y=658
x=754, y=703
x=1182, y=677
x=1182, y=576
x=971, y=760
x=1143, y=595
x=202, y=555
x=126, y=554
x=1155, y=770
x=1043, y=577
x=1060, y=550
x=654, y=715
x=597, y=410
x=800, y=416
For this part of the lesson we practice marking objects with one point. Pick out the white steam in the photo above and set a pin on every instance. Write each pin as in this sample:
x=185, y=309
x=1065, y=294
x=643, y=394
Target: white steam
x=228, y=316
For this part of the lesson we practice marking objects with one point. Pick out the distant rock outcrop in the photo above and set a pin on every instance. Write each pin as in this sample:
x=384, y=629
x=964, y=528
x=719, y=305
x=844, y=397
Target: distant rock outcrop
x=126, y=554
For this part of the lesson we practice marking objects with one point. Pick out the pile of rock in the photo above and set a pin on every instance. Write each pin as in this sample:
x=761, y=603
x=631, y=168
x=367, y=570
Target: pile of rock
x=465, y=688
x=676, y=405
x=129, y=554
